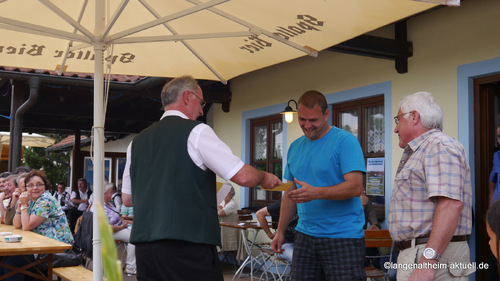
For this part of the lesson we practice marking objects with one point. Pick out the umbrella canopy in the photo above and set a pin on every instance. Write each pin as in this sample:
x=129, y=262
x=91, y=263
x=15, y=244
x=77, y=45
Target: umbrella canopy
x=34, y=140
x=213, y=40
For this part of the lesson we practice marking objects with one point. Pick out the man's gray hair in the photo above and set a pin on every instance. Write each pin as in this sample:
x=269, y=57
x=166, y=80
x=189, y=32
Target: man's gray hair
x=174, y=89
x=430, y=112
x=5, y=174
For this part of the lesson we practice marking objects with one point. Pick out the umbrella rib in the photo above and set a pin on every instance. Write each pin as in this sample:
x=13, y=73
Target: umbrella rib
x=68, y=19
x=165, y=19
x=178, y=37
x=305, y=49
x=80, y=46
x=115, y=17
x=186, y=44
x=70, y=43
x=25, y=27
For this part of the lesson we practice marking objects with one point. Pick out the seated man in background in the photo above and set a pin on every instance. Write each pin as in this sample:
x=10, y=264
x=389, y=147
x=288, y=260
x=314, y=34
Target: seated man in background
x=63, y=197
x=80, y=199
x=7, y=208
x=273, y=210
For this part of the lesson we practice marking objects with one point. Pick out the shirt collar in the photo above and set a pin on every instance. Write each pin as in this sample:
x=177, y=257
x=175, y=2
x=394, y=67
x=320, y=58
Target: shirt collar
x=174, y=113
x=416, y=142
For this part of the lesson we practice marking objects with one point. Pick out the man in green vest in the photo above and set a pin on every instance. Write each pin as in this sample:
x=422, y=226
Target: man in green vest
x=170, y=179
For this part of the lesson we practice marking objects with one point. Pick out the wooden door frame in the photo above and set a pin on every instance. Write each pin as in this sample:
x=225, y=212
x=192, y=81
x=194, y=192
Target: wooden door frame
x=484, y=140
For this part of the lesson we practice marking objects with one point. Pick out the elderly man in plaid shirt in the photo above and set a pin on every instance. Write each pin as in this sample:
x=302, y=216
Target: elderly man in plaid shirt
x=430, y=214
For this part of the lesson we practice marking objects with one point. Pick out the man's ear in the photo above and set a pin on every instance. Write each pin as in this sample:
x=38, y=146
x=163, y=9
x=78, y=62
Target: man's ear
x=186, y=96
x=415, y=117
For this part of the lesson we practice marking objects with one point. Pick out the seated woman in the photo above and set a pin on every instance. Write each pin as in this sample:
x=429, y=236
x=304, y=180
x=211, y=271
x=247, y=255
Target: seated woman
x=39, y=212
x=120, y=228
x=227, y=211
x=127, y=214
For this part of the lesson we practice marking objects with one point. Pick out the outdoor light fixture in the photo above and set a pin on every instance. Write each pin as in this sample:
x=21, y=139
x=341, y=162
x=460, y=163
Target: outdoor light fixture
x=289, y=111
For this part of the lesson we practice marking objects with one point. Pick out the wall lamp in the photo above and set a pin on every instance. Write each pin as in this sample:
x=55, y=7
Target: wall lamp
x=289, y=111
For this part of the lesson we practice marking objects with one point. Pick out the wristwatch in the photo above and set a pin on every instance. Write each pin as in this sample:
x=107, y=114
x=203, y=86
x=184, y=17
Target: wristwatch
x=431, y=254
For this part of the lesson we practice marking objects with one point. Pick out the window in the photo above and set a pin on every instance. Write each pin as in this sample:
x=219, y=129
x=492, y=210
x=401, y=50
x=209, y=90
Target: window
x=366, y=121
x=266, y=148
x=114, y=162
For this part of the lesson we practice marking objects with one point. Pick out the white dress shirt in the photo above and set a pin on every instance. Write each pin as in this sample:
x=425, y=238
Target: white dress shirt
x=205, y=149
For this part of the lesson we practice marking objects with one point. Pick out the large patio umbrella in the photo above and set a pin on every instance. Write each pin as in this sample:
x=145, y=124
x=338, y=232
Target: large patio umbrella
x=33, y=140
x=209, y=39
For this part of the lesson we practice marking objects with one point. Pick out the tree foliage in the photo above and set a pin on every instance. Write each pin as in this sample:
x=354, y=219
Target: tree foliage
x=55, y=165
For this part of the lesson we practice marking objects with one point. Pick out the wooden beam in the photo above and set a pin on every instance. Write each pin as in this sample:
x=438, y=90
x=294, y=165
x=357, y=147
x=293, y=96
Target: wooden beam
x=398, y=49
x=400, y=34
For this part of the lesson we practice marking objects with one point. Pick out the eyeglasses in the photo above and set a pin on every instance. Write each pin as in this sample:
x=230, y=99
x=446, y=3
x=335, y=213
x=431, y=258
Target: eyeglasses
x=396, y=118
x=202, y=101
x=37, y=185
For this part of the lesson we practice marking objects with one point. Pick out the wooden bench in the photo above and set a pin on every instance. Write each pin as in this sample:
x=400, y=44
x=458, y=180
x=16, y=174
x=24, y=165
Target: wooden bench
x=73, y=273
x=377, y=239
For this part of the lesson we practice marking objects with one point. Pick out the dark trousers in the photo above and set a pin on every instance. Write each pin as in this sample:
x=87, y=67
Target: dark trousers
x=177, y=260
x=73, y=215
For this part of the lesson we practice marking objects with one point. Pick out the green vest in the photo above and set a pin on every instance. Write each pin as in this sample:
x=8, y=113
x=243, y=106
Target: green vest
x=172, y=197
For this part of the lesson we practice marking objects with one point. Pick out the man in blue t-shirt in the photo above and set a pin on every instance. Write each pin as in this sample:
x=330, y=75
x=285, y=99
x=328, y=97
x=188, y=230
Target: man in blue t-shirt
x=326, y=166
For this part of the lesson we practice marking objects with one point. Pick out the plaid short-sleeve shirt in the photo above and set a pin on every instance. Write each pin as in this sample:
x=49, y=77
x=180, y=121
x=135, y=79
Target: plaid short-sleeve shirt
x=432, y=165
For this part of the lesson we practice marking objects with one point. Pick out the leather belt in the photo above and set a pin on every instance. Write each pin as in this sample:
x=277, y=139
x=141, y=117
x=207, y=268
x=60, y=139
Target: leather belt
x=422, y=240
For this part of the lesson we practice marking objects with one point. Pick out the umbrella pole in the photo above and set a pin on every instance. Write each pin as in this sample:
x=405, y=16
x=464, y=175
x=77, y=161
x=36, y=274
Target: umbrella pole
x=98, y=132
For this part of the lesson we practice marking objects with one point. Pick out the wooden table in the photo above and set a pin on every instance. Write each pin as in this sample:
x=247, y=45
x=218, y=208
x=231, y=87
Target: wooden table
x=243, y=227
x=31, y=243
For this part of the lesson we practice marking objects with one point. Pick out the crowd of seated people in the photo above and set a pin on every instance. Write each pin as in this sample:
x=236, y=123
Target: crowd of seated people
x=38, y=211
x=27, y=203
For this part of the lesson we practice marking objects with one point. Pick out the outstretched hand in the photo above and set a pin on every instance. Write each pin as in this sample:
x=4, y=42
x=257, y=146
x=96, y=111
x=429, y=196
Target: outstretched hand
x=304, y=194
x=270, y=181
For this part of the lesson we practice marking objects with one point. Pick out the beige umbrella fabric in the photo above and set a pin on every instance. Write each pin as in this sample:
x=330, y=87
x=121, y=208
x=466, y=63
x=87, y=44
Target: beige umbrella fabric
x=33, y=140
x=213, y=39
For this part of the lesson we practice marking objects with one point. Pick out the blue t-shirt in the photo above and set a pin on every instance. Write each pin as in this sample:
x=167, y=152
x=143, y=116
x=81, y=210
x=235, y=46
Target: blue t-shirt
x=494, y=176
x=323, y=162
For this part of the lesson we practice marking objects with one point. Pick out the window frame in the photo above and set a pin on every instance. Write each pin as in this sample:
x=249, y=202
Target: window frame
x=360, y=105
x=268, y=120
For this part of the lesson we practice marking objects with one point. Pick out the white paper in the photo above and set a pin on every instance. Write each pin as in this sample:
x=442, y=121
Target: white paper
x=222, y=193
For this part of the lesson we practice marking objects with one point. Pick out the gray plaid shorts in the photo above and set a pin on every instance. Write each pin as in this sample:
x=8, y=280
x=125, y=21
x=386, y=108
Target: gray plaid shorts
x=316, y=258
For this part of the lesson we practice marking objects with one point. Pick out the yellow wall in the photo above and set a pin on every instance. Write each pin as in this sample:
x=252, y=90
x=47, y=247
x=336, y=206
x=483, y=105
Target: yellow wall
x=442, y=39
